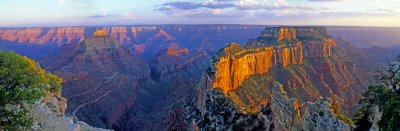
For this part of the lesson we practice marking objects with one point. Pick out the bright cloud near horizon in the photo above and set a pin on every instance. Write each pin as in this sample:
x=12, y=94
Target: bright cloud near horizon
x=21, y=13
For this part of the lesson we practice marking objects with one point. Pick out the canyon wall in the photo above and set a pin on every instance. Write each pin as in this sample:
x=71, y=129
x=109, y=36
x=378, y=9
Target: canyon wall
x=304, y=59
x=249, y=61
x=235, y=63
x=289, y=78
x=145, y=40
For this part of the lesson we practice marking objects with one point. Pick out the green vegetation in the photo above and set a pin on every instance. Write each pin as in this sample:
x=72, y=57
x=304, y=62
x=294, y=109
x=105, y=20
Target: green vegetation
x=386, y=97
x=339, y=114
x=22, y=82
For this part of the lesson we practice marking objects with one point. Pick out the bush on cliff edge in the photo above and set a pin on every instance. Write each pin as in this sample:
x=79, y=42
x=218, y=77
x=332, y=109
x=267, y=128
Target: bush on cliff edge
x=22, y=82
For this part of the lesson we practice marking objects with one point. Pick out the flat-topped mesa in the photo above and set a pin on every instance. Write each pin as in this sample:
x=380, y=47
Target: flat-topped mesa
x=279, y=33
x=276, y=47
x=315, y=40
x=98, y=43
x=236, y=63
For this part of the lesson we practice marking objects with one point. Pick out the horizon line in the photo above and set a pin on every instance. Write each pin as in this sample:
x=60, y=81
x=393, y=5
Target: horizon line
x=127, y=25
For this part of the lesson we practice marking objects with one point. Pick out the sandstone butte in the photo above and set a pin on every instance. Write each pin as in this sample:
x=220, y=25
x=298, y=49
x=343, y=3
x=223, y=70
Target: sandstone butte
x=276, y=47
x=100, y=33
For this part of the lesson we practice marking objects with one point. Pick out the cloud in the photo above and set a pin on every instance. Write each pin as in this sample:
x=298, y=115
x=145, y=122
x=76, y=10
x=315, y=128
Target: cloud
x=191, y=5
x=226, y=7
x=325, y=0
x=104, y=15
x=271, y=11
x=238, y=4
x=127, y=16
x=319, y=14
x=61, y=2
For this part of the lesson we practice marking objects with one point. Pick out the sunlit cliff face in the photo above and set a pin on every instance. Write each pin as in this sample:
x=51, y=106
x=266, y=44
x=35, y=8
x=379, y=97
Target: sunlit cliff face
x=277, y=47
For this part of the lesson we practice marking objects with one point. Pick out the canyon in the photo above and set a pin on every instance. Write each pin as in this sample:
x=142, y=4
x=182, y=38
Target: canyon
x=109, y=86
x=130, y=77
x=144, y=40
x=148, y=40
x=289, y=78
x=305, y=60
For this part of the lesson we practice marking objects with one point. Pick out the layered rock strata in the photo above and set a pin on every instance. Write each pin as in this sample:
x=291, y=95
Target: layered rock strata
x=304, y=59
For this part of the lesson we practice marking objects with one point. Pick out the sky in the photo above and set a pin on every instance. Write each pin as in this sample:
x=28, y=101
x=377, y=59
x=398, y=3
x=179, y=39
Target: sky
x=28, y=13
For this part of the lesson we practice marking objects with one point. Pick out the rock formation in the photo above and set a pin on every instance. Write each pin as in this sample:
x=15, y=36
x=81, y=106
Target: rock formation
x=146, y=41
x=172, y=76
x=99, y=72
x=213, y=111
x=242, y=91
x=302, y=58
x=49, y=115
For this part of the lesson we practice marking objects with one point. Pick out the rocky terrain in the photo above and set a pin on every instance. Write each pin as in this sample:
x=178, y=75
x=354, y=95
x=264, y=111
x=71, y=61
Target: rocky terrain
x=215, y=112
x=99, y=72
x=289, y=78
x=130, y=77
x=146, y=41
x=304, y=60
x=49, y=115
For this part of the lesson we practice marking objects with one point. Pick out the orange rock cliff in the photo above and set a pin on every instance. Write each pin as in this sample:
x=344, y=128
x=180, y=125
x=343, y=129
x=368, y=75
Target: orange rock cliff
x=276, y=47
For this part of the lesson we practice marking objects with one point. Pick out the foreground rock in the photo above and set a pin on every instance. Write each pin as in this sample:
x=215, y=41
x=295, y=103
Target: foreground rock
x=282, y=113
x=48, y=115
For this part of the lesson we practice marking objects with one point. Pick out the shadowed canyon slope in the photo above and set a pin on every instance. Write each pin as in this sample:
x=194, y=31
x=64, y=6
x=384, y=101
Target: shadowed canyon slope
x=94, y=71
x=109, y=86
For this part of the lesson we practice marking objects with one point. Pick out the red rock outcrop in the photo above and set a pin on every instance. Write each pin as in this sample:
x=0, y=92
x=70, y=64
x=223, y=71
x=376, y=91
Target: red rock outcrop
x=43, y=35
x=238, y=64
x=256, y=59
x=302, y=58
x=173, y=51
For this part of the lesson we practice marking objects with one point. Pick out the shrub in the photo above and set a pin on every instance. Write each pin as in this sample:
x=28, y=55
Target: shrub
x=21, y=81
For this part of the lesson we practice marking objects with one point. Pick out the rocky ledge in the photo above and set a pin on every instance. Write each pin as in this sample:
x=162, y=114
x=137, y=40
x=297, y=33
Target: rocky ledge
x=211, y=110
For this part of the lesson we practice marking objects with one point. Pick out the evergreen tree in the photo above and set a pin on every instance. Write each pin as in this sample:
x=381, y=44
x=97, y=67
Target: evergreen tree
x=386, y=96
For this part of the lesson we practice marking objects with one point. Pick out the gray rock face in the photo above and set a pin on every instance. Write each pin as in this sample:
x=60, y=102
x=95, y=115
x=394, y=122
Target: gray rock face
x=48, y=115
x=212, y=110
x=319, y=116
